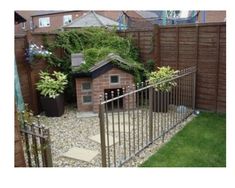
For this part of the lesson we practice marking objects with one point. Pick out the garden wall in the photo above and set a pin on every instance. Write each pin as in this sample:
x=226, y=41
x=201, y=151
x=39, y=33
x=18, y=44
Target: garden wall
x=180, y=46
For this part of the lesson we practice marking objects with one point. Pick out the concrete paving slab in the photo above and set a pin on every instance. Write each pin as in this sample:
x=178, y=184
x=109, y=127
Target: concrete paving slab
x=86, y=114
x=96, y=138
x=121, y=128
x=80, y=154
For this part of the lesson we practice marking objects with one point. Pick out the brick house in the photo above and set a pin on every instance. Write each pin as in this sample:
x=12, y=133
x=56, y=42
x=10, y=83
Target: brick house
x=104, y=77
x=208, y=16
x=49, y=21
x=147, y=19
x=23, y=27
x=91, y=19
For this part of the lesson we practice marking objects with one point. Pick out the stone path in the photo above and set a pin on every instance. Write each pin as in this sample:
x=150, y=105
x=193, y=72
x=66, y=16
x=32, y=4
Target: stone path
x=80, y=154
x=96, y=138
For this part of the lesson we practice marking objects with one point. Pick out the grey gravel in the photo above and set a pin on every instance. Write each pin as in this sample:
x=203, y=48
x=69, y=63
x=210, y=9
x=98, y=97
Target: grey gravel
x=73, y=129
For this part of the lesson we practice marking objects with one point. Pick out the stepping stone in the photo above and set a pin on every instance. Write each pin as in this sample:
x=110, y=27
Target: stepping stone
x=121, y=128
x=96, y=138
x=80, y=154
x=115, y=119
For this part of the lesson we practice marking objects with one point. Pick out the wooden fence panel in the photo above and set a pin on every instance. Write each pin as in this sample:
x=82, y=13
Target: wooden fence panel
x=205, y=46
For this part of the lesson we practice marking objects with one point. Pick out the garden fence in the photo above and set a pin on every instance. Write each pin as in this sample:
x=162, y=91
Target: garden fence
x=36, y=143
x=132, y=121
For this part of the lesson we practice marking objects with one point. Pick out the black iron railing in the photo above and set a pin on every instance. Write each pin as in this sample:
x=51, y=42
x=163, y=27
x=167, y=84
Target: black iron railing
x=144, y=116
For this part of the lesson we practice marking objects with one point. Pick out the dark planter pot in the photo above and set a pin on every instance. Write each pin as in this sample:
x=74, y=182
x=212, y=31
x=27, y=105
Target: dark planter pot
x=53, y=107
x=161, y=102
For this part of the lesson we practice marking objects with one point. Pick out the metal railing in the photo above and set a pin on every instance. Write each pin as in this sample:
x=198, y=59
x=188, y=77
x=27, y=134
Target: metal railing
x=36, y=143
x=132, y=121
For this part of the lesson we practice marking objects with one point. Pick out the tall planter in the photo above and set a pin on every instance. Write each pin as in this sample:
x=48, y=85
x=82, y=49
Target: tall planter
x=53, y=107
x=162, y=101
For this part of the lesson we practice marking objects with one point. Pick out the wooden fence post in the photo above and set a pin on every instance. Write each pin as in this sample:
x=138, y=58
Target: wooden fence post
x=177, y=47
x=156, y=51
x=217, y=67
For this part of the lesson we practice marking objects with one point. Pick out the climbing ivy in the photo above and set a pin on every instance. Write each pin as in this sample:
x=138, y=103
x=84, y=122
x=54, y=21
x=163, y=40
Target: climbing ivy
x=95, y=44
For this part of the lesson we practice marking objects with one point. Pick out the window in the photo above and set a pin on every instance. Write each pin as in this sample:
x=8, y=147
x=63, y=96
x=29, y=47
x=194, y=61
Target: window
x=86, y=99
x=67, y=19
x=31, y=25
x=86, y=86
x=44, y=22
x=114, y=79
x=23, y=25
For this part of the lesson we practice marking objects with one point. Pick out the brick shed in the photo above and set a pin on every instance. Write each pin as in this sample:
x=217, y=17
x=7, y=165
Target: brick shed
x=104, y=77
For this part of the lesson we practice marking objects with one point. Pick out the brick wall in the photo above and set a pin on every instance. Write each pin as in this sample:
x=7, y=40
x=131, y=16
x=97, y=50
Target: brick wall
x=103, y=82
x=99, y=84
x=79, y=93
x=213, y=16
x=56, y=21
x=27, y=16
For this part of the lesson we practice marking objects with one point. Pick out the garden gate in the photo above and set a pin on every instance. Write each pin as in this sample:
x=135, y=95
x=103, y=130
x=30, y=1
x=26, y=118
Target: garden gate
x=36, y=142
x=147, y=115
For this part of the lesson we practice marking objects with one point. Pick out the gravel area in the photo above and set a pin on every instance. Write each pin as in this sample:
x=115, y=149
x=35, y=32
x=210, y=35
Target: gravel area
x=73, y=129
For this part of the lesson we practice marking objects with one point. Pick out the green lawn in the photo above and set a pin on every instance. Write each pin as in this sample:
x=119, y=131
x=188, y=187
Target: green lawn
x=202, y=143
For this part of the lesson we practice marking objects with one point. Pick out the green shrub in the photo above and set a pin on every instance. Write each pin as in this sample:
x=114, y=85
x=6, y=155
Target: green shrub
x=52, y=85
x=95, y=44
x=164, y=73
x=150, y=64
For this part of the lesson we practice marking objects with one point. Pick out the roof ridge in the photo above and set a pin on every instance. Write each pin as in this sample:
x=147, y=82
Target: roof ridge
x=96, y=16
x=77, y=19
x=108, y=59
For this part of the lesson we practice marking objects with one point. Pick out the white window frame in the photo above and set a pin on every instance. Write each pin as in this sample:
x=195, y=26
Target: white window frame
x=43, y=25
x=23, y=25
x=86, y=90
x=66, y=18
x=110, y=80
x=86, y=102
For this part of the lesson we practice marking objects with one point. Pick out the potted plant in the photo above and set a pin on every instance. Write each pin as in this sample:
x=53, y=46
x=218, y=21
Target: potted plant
x=36, y=52
x=51, y=87
x=155, y=78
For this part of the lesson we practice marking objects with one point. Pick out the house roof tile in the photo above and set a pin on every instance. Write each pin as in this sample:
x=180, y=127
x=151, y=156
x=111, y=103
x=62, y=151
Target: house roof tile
x=91, y=19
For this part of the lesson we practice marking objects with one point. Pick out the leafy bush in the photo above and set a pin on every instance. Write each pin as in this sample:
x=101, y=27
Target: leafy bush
x=52, y=85
x=95, y=43
x=164, y=73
